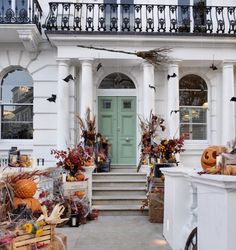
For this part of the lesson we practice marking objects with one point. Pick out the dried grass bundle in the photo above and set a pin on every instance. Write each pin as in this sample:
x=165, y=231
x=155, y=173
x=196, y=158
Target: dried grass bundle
x=148, y=133
x=12, y=179
x=156, y=56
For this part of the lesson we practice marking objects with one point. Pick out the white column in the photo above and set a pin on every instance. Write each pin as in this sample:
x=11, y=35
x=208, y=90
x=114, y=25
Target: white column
x=148, y=93
x=228, y=107
x=63, y=140
x=173, y=101
x=86, y=86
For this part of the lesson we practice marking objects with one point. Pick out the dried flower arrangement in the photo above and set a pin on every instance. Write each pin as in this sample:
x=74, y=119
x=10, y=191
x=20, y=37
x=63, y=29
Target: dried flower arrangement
x=149, y=130
x=88, y=128
x=73, y=160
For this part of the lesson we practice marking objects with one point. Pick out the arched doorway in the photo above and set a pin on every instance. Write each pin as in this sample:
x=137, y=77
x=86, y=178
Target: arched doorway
x=117, y=117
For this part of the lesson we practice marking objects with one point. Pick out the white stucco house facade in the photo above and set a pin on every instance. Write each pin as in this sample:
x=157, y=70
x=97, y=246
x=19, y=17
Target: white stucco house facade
x=38, y=49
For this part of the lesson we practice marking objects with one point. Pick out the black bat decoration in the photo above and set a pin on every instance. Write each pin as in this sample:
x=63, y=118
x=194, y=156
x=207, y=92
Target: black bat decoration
x=99, y=66
x=213, y=67
x=52, y=98
x=174, y=111
x=152, y=87
x=233, y=99
x=169, y=76
x=68, y=78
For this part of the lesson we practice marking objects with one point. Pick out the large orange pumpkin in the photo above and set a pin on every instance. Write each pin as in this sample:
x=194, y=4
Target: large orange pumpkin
x=30, y=203
x=208, y=158
x=25, y=188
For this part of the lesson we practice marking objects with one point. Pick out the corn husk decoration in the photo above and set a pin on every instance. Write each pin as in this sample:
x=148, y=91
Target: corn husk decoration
x=55, y=216
x=156, y=57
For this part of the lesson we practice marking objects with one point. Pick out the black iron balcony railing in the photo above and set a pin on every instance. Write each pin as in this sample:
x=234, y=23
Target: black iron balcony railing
x=21, y=12
x=139, y=18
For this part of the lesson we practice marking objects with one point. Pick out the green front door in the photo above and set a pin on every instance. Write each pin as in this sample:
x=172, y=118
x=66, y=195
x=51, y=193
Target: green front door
x=117, y=122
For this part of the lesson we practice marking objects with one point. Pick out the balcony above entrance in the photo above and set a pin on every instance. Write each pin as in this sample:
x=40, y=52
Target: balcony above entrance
x=197, y=19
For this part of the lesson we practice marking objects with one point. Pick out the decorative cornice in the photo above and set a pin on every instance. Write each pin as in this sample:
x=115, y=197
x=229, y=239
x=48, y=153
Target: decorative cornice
x=30, y=40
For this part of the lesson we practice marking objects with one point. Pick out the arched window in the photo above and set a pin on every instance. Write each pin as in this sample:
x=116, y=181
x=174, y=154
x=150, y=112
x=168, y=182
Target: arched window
x=117, y=81
x=17, y=105
x=193, y=104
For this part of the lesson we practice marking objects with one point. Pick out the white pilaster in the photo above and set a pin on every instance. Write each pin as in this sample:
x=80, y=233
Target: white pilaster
x=86, y=86
x=63, y=139
x=228, y=107
x=173, y=101
x=148, y=93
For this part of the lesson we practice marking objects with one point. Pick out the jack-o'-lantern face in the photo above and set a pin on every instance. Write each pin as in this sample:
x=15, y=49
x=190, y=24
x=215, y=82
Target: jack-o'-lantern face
x=208, y=158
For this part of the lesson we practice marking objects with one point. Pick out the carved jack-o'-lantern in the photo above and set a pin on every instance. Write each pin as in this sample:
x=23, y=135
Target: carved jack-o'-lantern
x=208, y=158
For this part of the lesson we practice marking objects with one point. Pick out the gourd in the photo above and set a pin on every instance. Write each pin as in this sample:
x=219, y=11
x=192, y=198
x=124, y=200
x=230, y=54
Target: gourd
x=208, y=158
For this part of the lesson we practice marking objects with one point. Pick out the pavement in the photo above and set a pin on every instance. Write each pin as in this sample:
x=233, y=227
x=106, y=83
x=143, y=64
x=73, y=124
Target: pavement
x=116, y=233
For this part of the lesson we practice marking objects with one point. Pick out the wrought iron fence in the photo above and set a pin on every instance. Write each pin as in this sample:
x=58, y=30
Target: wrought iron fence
x=138, y=18
x=20, y=12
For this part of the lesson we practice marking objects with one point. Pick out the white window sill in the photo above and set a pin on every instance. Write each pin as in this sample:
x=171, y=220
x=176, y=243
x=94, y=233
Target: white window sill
x=6, y=144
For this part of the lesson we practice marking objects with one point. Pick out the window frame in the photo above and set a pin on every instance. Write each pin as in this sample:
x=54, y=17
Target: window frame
x=2, y=104
x=207, y=123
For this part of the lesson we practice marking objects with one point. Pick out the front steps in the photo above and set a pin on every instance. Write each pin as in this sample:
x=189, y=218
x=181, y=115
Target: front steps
x=119, y=192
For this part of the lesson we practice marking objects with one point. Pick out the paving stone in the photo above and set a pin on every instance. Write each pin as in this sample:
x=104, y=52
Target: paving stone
x=116, y=233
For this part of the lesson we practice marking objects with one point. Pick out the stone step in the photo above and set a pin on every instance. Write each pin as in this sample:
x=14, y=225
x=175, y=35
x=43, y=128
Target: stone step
x=119, y=183
x=120, y=210
x=119, y=176
x=116, y=191
x=118, y=200
x=124, y=169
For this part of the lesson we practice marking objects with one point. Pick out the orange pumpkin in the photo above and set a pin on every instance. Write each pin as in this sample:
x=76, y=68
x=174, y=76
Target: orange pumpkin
x=30, y=203
x=80, y=177
x=208, y=158
x=25, y=188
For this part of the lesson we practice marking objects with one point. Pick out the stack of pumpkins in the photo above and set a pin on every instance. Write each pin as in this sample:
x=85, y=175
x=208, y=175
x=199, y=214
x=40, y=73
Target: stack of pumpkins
x=24, y=190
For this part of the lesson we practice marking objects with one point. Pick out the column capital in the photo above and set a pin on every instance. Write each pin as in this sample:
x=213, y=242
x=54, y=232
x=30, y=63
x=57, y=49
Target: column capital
x=86, y=61
x=228, y=63
x=63, y=61
x=174, y=63
x=147, y=64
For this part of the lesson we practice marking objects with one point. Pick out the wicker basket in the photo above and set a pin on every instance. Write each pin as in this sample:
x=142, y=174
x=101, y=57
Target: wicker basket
x=156, y=207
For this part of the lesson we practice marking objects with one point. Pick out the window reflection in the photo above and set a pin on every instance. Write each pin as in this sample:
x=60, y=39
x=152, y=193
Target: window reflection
x=17, y=105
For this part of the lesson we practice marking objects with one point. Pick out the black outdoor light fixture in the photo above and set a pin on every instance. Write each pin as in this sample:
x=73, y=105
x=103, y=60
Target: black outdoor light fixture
x=169, y=76
x=68, y=78
x=74, y=220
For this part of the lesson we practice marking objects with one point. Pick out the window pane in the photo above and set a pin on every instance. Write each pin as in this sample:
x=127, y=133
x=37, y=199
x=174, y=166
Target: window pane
x=17, y=113
x=192, y=98
x=106, y=104
x=17, y=87
x=17, y=122
x=17, y=130
x=126, y=104
x=199, y=132
x=117, y=81
x=193, y=115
